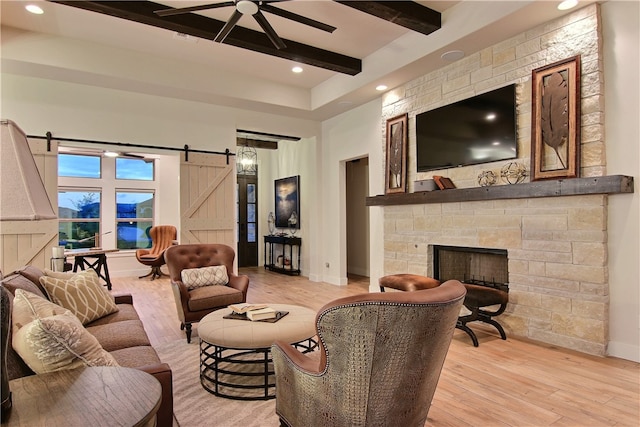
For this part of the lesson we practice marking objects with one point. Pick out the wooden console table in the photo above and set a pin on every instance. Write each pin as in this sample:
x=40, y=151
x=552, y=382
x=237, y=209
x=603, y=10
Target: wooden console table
x=101, y=396
x=271, y=257
x=99, y=257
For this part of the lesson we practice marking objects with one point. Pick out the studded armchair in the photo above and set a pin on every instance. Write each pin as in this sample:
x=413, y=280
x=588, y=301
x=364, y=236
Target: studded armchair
x=194, y=304
x=379, y=360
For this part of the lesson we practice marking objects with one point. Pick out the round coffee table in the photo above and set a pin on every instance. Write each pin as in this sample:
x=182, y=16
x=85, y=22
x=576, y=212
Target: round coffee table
x=235, y=355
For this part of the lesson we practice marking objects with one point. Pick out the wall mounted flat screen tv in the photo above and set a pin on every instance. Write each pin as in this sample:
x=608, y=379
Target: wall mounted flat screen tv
x=476, y=130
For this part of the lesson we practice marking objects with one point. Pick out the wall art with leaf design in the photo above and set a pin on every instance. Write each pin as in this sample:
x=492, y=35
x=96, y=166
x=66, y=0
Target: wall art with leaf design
x=555, y=120
x=396, y=147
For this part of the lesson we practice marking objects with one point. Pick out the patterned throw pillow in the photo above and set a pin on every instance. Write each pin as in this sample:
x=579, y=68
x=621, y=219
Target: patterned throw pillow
x=81, y=294
x=204, y=276
x=28, y=306
x=57, y=342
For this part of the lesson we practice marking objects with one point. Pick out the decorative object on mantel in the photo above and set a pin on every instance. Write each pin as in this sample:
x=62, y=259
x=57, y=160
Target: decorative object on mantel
x=396, y=164
x=443, y=182
x=555, y=120
x=513, y=173
x=487, y=178
x=287, y=200
x=271, y=222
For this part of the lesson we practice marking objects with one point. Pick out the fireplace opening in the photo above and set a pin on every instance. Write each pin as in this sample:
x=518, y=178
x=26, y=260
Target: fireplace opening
x=478, y=266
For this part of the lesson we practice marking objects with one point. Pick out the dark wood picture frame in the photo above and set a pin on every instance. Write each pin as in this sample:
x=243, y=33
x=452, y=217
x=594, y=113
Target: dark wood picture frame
x=555, y=120
x=396, y=160
x=287, y=200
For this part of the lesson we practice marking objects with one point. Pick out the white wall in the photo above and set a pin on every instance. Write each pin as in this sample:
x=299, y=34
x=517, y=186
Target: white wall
x=352, y=135
x=292, y=158
x=620, y=23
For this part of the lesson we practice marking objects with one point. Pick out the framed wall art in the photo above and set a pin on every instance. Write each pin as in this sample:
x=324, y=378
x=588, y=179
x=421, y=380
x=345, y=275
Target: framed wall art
x=396, y=164
x=287, y=202
x=555, y=120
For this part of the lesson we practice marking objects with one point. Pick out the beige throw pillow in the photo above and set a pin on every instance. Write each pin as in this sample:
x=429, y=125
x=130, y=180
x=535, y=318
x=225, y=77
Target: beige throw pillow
x=54, y=342
x=28, y=306
x=204, y=276
x=81, y=294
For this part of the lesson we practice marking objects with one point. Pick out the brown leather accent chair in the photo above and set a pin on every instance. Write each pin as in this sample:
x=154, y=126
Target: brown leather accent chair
x=194, y=304
x=162, y=237
x=379, y=360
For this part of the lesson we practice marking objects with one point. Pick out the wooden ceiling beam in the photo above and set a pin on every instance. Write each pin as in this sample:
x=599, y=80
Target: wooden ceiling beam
x=207, y=28
x=408, y=14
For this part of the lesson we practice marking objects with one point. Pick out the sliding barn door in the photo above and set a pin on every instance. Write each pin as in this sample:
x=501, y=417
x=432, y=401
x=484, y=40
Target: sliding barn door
x=207, y=202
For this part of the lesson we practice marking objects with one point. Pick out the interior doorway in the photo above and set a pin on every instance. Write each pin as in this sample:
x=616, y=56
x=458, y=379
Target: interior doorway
x=357, y=219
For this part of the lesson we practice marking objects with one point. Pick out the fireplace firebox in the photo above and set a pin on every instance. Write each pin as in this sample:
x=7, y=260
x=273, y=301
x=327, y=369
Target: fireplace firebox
x=478, y=266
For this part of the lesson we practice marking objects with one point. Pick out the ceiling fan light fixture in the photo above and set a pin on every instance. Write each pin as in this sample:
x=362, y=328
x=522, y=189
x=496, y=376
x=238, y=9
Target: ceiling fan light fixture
x=247, y=7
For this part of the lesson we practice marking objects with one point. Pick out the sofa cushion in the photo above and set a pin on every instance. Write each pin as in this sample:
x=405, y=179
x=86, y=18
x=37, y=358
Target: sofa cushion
x=135, y=357
x=82, y=294
x=125, y=312
x=204, y=276
x=17, y=281
x=118, y=335
x=55, y=342
x=32, y=273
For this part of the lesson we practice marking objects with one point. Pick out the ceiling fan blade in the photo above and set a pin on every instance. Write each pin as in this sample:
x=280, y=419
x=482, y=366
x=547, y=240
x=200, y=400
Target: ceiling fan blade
x=297, y=18
x=269, y=31
x=179, y=11
x=224, y=32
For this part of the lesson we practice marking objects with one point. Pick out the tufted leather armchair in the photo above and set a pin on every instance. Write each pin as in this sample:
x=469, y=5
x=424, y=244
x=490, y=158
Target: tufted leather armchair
x=193, y=305
x=379, y=360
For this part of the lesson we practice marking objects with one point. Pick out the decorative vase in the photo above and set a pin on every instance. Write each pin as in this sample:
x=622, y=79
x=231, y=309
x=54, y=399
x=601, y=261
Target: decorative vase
x=271, y=222
x=293, y=222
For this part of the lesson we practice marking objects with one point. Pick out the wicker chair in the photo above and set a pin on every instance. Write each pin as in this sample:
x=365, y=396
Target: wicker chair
x=162, y=237
x=379, y=361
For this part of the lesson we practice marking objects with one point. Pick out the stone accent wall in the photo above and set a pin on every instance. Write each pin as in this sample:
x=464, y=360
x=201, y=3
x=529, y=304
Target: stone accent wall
x=557, y=247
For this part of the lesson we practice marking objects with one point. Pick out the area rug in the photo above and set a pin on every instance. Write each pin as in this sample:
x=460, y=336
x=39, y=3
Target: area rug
x=194, y=406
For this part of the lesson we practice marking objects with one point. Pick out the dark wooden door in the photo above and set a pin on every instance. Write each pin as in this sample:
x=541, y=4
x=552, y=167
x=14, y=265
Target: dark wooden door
x=247, y=220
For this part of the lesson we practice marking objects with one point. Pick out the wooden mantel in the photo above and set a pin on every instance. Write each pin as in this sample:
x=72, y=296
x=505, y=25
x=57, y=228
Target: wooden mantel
x=613, y=184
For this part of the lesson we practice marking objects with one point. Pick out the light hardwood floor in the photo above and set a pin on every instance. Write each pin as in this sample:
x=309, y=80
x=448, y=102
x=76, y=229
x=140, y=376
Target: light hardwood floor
x=501, y=383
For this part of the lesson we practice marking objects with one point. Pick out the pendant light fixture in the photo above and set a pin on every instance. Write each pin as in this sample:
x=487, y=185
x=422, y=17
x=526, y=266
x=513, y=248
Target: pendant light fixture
x=246, y=159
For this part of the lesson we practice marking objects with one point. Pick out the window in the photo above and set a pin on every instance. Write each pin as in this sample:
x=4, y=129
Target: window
x=79, y=166
x=140, y=169
x=134, y=219
x=79, y=218
x=105, y=196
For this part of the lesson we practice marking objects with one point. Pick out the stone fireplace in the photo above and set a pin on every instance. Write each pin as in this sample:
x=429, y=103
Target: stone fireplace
x=556, y=240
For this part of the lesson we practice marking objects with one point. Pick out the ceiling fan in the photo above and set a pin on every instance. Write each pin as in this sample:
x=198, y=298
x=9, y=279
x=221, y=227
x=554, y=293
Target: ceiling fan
x=254, y=8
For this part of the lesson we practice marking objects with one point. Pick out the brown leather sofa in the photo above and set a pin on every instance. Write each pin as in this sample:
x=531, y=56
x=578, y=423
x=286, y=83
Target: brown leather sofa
x=121, y=334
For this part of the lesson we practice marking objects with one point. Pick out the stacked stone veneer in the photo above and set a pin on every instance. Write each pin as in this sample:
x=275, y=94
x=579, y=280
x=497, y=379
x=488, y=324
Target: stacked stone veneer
x=557, y=247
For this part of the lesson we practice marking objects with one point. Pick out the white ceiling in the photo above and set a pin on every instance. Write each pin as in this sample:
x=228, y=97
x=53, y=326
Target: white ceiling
x=70, y=44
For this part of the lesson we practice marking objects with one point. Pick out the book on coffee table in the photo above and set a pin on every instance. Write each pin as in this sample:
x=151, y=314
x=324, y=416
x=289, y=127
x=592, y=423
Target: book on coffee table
x=245, y=307
x=262, y=314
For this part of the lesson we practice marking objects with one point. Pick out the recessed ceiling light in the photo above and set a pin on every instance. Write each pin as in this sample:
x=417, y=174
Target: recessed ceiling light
x=296, y=69
x=381, y=87
x=452, y=55
x=34, y=9
x=567, y=4
x=111, y=154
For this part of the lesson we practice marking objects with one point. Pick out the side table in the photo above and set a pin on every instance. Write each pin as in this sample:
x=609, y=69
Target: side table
x=101, y=396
